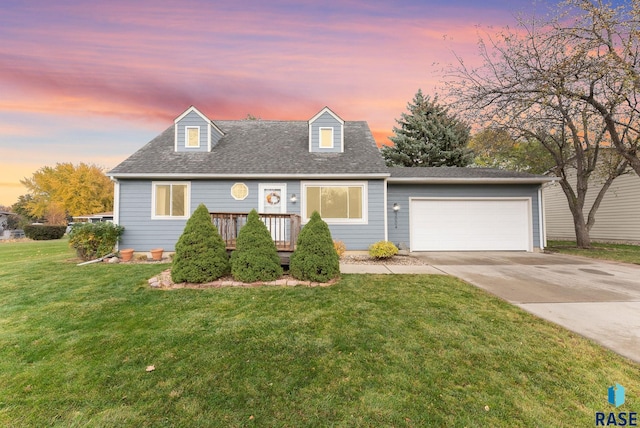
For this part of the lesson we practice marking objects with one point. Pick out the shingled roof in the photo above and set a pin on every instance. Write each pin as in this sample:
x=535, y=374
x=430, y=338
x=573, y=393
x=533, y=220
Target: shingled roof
x=258, y=148
x=459, y=175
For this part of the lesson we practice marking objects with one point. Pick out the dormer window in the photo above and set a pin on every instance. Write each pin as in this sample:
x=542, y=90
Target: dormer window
x=193, y=136
x=326, y=138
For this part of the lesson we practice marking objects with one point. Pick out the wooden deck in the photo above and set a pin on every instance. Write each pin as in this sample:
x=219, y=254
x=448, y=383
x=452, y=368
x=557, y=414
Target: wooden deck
x=284, y=228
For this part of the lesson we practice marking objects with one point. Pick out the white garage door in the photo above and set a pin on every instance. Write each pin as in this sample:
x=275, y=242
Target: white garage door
x=470, y=224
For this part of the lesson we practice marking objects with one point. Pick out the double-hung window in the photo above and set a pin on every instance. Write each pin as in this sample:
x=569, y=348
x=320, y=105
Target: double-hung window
x=192, y=139
x=326, y=138
x=336, y=202
x=170, y=200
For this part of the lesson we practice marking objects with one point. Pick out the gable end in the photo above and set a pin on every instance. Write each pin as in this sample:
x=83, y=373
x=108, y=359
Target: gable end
x=326, y=132
x=194, y=132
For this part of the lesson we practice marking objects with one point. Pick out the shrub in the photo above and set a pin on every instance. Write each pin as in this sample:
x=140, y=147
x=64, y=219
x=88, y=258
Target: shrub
x=340, y=248
x=94, y=240
x=256, y=257
x=200, y=254
x=44, y=232
x=383, y=250
x=315, y=257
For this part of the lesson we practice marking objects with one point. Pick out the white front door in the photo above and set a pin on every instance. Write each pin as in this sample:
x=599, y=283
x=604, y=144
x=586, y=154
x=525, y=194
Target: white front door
x=273, y=200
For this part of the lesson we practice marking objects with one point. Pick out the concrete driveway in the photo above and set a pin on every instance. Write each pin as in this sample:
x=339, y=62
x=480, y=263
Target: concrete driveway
x=597, y=299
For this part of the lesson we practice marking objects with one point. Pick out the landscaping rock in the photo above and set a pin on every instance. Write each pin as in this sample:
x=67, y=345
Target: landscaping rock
x=163, y=281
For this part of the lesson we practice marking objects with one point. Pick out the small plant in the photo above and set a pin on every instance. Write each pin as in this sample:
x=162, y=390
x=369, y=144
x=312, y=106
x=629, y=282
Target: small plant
x=383, y=250
x=200, y=254
x=94, y=240
x=315, y=257
x=340, y=248
x=44, y=232
x=256, y=256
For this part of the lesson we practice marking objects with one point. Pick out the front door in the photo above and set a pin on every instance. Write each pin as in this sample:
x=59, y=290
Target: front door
x=273, y=200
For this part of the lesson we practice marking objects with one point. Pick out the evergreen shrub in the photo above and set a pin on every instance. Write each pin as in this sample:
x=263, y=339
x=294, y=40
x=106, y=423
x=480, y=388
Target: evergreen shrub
x=383, y=250
x=94, y=240
x=44, y=232
x=200, y=254
x=315, y=258
x=256, y=256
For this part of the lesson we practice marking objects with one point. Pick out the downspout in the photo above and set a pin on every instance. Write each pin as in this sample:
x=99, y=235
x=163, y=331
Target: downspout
x=386, y=225
x=116, y=204
x=543, y=231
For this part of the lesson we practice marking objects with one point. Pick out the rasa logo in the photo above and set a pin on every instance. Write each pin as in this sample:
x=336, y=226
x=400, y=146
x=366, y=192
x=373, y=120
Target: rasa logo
x=615, y=396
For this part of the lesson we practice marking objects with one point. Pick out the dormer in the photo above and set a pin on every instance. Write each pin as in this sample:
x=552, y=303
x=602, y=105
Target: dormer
x=194, y=132
x=326, y=132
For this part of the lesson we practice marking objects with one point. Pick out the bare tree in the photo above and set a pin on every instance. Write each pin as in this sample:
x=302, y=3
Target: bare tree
x=525, y=87
x=610, y=37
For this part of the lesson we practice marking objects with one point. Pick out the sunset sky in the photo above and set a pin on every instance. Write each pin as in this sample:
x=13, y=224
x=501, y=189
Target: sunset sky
x=94, y=81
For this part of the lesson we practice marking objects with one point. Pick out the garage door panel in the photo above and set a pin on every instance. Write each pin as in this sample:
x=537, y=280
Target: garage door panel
x=470, y=224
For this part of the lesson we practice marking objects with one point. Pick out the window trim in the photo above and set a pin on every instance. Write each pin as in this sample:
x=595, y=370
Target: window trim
x=332, y=140
x=365, y=200
x=186, y=137
x=187, y=210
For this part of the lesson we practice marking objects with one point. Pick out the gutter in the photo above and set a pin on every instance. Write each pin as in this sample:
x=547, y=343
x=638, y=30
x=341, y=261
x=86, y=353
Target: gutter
x=116, y=176
x=470, y=180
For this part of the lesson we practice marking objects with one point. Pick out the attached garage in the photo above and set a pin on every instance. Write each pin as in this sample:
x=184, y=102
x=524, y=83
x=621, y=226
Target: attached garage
x=464, y=209
x=470, y=224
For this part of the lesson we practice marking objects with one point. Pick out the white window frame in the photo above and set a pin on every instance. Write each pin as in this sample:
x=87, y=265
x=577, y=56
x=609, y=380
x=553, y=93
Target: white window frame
x=187, y=211
x=365, y=200
x=186, y=137
x=320, y=137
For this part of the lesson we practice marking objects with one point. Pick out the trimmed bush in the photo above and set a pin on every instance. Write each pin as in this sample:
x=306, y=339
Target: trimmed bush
x=383, y=250
x=200, y=254
x=315, y=258
x=256, y=257
x=94, y=240
x=44, y=232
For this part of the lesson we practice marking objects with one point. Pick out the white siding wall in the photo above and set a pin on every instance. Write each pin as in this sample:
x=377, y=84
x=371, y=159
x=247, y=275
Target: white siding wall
x=617, y=219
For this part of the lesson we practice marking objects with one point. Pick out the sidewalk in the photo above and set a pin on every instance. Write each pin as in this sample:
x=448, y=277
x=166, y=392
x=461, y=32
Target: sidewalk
x=389, y=269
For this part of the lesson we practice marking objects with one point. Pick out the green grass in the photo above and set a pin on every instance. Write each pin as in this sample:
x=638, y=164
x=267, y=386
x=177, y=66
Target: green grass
x=405, y=350
x=616, y=252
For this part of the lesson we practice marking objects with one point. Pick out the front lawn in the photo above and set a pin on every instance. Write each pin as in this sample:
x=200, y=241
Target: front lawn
x=404, y=350
x=616, y=252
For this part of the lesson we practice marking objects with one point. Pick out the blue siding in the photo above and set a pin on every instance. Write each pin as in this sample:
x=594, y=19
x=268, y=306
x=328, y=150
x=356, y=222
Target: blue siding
x=400, y=194
x=192, y=119
x=326, y=120
x=142, y=233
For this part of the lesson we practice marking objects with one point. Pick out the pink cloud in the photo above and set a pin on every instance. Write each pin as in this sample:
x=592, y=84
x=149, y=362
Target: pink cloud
x=150, y=61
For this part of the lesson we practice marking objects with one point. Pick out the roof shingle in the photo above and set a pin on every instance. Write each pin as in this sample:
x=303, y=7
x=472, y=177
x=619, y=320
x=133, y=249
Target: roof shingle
x=258, y=148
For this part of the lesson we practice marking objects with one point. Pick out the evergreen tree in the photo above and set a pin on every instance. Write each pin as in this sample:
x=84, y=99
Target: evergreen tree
x=256, y=256
x=200, y=255
x=315, y=257
x=428, y=136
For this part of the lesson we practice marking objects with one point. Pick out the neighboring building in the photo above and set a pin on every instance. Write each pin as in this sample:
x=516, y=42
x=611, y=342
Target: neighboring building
x=4, y=220
x=617, y=218
x=326, y=164
x=94, y=218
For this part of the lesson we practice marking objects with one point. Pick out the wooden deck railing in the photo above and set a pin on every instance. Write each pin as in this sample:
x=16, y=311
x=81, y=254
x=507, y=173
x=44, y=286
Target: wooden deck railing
x=284, y=228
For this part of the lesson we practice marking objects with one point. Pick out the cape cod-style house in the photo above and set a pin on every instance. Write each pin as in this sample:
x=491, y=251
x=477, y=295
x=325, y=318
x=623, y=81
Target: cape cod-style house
x=288, y=169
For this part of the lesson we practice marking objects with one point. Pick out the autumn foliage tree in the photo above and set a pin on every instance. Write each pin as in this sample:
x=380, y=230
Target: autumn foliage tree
x=70, y=189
